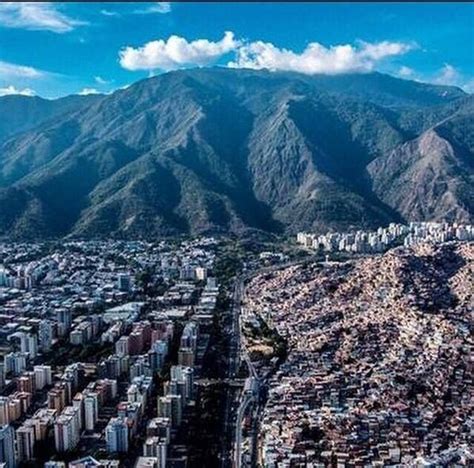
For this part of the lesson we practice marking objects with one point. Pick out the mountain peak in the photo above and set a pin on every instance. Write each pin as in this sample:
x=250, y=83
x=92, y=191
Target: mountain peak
x=224, y=149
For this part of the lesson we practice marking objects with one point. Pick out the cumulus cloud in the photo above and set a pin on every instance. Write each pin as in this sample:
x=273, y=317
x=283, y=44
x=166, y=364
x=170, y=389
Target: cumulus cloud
x=12, y=70
x=156, y=7
x=176, y=52
x=36, y=16
x=11, y=90
x=87, y=91
x=317, y=58
x=448, y=75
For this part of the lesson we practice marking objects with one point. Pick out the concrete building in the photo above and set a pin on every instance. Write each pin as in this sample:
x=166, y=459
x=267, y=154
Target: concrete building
x=16, y=362
x=7, y=447
x=26, y=382
x=170, y=406
x=124, y=282
x=91, y=410
x=67, y=429
x=122, y=346
x=184, y=376
x=4, y=410
x=156, y=448
x=186, y=357
x=25, y=442
x=43, y=376
x=201, y=273
x=116, y=435
x=159, y=427
x=2, y=375
x=45, y=334
x=64, y=319
x=78, y=402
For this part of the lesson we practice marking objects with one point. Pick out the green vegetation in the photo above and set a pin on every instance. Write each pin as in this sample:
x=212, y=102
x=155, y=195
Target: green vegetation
x=326, y=164
x=65, y=353
x=230, y=258
x=266, y=337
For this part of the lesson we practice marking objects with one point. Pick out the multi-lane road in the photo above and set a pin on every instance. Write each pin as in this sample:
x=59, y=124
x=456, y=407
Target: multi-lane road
x=250, y=396
x=232, y=392
x=237, y=402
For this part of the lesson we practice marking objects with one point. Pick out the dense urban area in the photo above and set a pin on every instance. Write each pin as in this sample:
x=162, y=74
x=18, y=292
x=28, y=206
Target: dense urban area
x=343, y=349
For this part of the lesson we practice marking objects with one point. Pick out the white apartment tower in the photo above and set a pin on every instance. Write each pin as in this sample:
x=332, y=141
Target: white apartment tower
x=116, y=435
x=91, y=410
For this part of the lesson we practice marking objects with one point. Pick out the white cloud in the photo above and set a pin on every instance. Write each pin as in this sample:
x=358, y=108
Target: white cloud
x=101, y=81
x=87, y=91
x=176, y=52
x=12, y=70
x=406, y=72
x=36, y=16
x=381, y=50
x=451, y=76
x=469, y=86
x=11, y=90
x=156, y=7
x=317, y=58
x=448, y=75
x=109, y=13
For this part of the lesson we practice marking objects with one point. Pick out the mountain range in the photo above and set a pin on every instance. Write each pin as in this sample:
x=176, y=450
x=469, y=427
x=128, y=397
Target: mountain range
x=227, y=150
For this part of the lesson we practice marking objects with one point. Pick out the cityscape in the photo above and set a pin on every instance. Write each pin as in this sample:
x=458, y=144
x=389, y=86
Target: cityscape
x=84, y=357
x=109, y=348
x=377, y=371
x=385, y=238
x=236, y=234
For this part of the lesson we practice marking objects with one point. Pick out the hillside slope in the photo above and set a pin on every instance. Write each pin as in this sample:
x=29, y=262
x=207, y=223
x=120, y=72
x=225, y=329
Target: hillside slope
x=23, y=113
x=218, y=149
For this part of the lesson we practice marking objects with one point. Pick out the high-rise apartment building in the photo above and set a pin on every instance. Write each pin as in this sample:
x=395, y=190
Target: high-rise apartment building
x=45, y=334
x=64, y=319
x=91, y=410
x=67, y=429
x=25, y=442
x=157, y=448
x=116, y=435
x=7, y=447
x=170, y=406
x=43, y=376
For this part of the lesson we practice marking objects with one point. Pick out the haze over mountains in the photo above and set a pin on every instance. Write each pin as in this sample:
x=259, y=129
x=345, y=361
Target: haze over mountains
x=207, y=150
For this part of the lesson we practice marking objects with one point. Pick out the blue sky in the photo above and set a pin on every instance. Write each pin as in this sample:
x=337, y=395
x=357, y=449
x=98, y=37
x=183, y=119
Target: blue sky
x=54, y=49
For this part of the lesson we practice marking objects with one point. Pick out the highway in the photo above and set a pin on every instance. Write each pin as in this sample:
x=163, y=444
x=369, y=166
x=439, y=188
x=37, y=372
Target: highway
x=247, y=399
x=256, y=384
x=233, y=418
x=251, y=389
x=232, y=392
x=234, y=354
